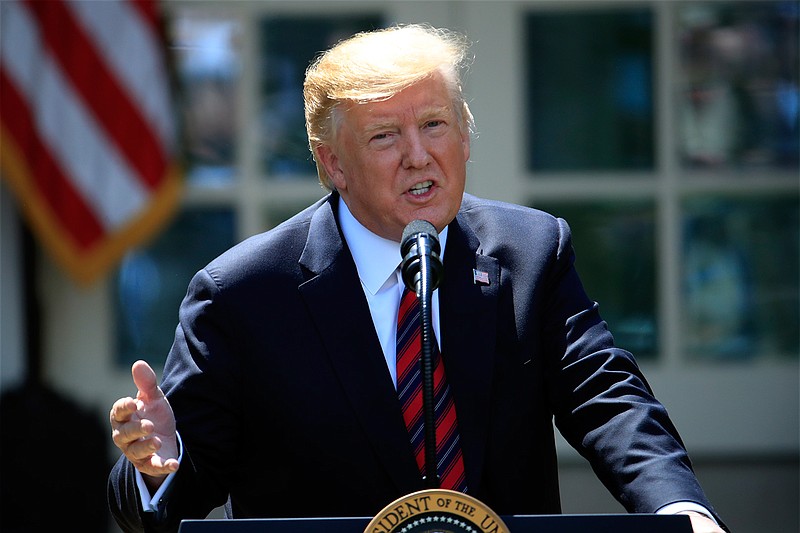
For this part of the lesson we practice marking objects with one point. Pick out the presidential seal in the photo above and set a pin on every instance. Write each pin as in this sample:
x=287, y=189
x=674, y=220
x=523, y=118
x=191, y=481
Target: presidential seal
x=436, y=511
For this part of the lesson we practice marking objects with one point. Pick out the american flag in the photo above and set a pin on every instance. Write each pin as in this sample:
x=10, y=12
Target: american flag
x=87, y=129
x=479, y=277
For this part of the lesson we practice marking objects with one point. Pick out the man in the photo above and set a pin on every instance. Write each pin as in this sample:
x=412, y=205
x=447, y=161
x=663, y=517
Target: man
x=283, y=378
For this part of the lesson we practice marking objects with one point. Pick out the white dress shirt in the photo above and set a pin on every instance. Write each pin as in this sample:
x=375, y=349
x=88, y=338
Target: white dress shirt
x=377, y=261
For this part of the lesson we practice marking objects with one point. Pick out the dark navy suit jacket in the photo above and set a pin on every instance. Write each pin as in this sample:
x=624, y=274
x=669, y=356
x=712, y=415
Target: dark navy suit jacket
x=285, y=405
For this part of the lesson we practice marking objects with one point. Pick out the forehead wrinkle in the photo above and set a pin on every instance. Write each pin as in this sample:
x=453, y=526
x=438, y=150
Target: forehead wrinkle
x=381, y=120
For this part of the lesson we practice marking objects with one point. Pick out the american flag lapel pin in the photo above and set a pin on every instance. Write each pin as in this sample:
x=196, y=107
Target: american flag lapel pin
x=479, y=277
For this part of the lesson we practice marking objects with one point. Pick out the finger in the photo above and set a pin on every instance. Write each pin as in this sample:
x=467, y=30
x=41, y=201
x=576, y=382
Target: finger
x=142, y=450
x=126, y=434
x=170, y=465
x=164, y=465
x=702, y=523
x=121, y=411
x=151, y=462
x=145, y=380
x=153, y=466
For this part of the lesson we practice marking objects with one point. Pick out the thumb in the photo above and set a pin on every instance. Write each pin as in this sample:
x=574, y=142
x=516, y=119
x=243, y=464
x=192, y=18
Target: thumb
x=145, y=380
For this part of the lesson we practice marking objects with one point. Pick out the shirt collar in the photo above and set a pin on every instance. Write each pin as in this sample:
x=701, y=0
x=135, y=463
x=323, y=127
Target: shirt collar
x=376, y=258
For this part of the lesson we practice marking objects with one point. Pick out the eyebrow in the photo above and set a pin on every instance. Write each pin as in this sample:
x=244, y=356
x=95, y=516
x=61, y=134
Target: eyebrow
x=437, y=111
x=381, y=124
x=372, y=127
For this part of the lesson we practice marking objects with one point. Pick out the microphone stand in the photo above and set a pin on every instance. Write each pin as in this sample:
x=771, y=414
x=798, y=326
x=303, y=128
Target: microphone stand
x=424, y=293
x=422, y=271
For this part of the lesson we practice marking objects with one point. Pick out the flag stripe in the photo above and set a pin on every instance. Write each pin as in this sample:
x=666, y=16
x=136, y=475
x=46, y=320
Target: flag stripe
x=102, y=93
x=49, y=184
x=78, y=147
x=148, y=11
x=142, y=74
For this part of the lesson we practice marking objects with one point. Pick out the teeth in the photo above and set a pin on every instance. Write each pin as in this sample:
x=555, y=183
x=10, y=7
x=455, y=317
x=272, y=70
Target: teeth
x=421, y=188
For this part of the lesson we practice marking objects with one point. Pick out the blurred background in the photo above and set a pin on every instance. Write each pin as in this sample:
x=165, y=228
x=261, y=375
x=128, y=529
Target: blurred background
x=665, y=132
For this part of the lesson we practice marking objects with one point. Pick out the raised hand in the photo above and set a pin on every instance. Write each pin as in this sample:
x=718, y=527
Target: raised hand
x=144, y=427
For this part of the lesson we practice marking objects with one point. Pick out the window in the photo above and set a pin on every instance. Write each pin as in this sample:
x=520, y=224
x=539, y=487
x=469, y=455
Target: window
x=740, y=277
x=152, y=280
x=209, y=62
x=289, y=44
x=590, y=89
x=738, y=84
x=615, y=258
x=738, y=133
x=694, y=256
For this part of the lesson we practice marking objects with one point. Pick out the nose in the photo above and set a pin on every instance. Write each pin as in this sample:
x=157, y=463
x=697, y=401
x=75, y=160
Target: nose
x=415, y=150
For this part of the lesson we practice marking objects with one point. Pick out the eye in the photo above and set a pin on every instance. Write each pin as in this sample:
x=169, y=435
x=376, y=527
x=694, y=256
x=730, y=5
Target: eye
x=434, y=123
x=381, y=139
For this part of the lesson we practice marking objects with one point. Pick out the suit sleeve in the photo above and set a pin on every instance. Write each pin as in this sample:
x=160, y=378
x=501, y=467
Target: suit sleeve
x=603, y=405
x=123, y=497
x=199, y=384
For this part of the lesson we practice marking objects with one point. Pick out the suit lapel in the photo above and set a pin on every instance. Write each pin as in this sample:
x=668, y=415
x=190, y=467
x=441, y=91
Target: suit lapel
x=340, y=312
x=468, y=323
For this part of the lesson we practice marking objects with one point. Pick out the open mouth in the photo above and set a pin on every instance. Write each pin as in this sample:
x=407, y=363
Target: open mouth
x=421, y=188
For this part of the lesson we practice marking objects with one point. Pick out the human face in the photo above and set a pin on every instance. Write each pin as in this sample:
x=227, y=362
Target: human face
x=400, y=159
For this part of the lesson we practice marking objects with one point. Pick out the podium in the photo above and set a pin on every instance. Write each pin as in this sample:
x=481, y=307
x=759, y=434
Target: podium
x=594, y=523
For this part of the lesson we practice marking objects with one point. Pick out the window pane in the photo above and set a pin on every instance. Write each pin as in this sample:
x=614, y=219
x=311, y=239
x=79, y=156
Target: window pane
x=209, y=64
x=590, y=90
x=741, y=293
x=152, y=281
x=615, y=257
x=289, y=45
x=739, y=75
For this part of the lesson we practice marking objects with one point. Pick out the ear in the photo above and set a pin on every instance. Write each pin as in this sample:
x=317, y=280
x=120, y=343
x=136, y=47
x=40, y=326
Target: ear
x=330, y=162
x=465, y=140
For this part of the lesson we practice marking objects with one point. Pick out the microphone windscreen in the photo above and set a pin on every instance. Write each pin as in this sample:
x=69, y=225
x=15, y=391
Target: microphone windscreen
x=418, y=226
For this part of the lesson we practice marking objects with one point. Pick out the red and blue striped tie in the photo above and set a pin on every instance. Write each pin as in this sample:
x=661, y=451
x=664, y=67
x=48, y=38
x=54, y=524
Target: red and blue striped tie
x=450, y=465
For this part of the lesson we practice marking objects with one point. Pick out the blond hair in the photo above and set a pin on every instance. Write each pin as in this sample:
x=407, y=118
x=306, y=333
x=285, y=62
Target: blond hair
x=374, y=66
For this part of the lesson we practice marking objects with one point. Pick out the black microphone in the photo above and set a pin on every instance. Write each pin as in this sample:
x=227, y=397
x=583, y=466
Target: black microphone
x=420, y=248
x=422, y=271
